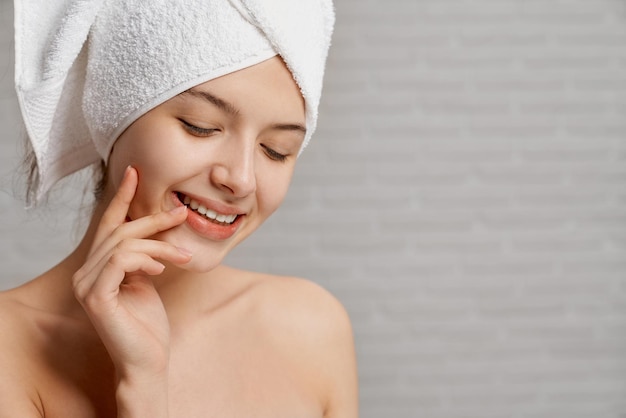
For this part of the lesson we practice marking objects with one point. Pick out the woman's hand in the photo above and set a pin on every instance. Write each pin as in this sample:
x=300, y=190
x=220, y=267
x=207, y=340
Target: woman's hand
x=114, y=287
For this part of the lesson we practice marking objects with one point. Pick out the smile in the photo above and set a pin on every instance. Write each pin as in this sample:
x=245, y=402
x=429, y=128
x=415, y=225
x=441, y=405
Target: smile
x=210, y=214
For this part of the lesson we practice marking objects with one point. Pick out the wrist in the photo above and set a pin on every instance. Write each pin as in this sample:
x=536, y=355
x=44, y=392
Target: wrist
x=140, y=396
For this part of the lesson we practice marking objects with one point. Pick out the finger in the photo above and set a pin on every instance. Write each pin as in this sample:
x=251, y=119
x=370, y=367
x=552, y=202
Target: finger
x=153, y=248
x=102, y=285
x=141, y=228
x=115, y=214
x=150, y=225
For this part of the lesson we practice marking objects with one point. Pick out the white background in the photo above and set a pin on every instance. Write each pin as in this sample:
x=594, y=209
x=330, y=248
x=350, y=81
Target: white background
x=464, y=196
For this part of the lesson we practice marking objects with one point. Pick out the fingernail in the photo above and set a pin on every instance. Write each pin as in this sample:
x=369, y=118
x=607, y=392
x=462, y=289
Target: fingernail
x=128, y=167
x=184, y=251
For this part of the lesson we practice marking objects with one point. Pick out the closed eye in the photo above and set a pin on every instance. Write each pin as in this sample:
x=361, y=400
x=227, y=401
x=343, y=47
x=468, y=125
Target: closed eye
x=196, y=130
x=273, y=155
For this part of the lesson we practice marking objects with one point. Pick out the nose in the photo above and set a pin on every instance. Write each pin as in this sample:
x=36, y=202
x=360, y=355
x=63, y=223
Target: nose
x=234, y=172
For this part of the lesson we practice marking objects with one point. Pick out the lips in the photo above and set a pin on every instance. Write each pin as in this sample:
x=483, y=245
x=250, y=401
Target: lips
x=210, y=219
x=212, y=215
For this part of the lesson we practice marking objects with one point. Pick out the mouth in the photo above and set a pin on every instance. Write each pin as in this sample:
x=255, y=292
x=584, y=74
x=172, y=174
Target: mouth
x=211, y=215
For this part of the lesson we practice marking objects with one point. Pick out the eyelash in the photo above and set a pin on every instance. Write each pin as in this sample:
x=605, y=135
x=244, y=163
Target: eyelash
x=195, y=130
x=276, y=156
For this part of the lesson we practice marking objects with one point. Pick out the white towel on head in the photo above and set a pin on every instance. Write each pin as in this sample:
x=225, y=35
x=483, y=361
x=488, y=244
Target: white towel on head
x=87, y=69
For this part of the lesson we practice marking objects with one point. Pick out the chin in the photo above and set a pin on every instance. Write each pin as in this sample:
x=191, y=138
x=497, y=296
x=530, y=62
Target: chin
x=206, y=255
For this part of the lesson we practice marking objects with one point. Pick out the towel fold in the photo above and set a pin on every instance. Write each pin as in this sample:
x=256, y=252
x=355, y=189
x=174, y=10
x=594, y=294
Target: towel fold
x=87, y=69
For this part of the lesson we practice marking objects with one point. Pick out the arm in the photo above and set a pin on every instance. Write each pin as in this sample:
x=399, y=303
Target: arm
x=16, y=399
x=317, y=337
x=17, y=406
x=340, y=356
x=116, y=292
x=142, y=397
x=14, y=402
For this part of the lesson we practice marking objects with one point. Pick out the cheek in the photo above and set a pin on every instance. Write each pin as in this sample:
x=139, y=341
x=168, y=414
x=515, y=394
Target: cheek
x=271, y=191
x=157, y=167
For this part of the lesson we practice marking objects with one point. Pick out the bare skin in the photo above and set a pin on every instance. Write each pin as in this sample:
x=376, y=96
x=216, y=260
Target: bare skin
x=133, y=325
x=259, y=345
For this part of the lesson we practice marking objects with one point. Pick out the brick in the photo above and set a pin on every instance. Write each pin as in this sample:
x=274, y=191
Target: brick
x=562, y=197
x=509, y=268
x=505, y=83
x=571, y=243
x=571, y=63
x=428, y=222
x=495, y=38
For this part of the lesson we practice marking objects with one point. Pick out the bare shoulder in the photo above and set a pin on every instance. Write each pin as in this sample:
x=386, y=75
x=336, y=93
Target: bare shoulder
x=17, y=394
x=291, y=303
x=14, y=319
x=314, y=331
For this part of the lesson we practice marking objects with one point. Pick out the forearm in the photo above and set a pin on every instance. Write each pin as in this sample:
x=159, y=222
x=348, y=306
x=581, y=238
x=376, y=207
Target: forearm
x=142, y=397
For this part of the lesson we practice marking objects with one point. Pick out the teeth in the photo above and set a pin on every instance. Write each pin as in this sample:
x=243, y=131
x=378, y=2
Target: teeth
x=211, y=214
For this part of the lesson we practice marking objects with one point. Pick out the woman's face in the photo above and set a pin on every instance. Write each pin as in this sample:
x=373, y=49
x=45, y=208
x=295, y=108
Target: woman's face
x=227, y=148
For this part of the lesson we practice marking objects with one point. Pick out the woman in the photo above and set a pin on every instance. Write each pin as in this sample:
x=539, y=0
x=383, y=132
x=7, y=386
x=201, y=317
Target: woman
x=196, y=112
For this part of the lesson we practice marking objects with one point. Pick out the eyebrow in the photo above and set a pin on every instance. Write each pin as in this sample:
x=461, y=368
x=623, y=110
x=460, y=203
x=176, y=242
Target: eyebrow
x=289, y=127
x=229, y=108
x=220, y=103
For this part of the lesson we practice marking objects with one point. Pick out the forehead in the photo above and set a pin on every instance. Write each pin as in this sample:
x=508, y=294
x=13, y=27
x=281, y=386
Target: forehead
x=268, y=84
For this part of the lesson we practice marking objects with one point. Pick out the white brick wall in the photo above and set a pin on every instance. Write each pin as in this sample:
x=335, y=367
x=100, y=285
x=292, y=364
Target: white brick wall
x=465, y=197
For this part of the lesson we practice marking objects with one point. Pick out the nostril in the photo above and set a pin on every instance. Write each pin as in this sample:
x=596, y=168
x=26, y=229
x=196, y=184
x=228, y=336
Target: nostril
x=235, y=176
